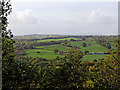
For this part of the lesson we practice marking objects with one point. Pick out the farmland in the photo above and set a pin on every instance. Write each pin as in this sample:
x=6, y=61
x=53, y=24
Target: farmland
x=48, y=40
x=52, y=47
x=76, y=46
x=93, y=57
x=47, y=54
x=94, y=47
x=47, y=51
x=88, y=55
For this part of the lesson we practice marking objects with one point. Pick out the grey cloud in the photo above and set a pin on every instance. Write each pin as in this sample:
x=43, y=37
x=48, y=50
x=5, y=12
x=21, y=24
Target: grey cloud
x=61, y=19
x=23, y=17
x=100, y=17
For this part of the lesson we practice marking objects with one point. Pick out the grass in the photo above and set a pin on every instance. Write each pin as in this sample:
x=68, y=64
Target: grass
x=46, y=40
x=47, y=54
x=93, y=57
x=94, y=47
x=52, y=47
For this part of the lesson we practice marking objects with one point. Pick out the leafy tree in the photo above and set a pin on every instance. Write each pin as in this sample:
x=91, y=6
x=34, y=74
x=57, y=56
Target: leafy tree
x=83, y=39
x=86, y=52
x=9, y=67
x=56, y=50
x=108, y=45
x=38, y=52
x=89, y=44
x=13, y=76
x=84, y=44
x=106, y=73
x=69, y=75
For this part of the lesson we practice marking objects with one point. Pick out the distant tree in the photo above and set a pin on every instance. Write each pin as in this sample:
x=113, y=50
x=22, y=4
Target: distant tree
x=95, y=60
x=72, y=40
x=108, y=45
x=84, y=44
x=86, y=52
x=69, y=45
x=56, y=50
x=38, y=51
x=75, y=55
x=63, y=44
x=83, y=39
x=89, y=44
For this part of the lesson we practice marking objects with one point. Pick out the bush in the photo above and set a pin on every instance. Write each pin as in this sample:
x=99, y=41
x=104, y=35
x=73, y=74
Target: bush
x=38, y=52
x=84, y=44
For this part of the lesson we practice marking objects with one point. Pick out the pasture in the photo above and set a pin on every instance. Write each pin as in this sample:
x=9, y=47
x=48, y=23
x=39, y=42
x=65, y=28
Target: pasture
x=47, y=54
x=93, y=47
x=48, y=40
x=47, y=51
x=93, y=57
x=52, y=47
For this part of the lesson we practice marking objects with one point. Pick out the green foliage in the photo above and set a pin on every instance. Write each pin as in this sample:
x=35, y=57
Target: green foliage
x=94, y=56
x=68, y=72
x=76, y=74
x=14, y=75
x=86, y=52
x=46, y=51
x=47, y=54
x=55, y=50
x=52, y=47
x=84, y=44
x=46, y=40
x=94, y=47
x=105, y=43
x=8, y=63
x=67, y=75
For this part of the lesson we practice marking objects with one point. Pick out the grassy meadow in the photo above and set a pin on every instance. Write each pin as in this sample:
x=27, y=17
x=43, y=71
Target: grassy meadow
x=52, y=47
x=93, y=57
x=48, y=40
x=94, y=47
x=47, y=54
x=47, y=51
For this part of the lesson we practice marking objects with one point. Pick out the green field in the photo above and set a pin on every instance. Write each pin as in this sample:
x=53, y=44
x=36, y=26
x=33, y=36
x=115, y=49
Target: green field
x=93, y=57
x=47, y=54
x=94, y=47
x=52, y=47
x=46, y=40
x=46, y=51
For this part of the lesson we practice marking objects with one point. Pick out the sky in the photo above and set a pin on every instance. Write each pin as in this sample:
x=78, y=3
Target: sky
x=67, y=17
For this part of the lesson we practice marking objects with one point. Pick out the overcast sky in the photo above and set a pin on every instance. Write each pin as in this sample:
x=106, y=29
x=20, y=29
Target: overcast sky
x=64, y=17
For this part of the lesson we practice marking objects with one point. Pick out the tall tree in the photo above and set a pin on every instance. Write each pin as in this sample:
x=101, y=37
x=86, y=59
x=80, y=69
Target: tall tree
x=8, y=62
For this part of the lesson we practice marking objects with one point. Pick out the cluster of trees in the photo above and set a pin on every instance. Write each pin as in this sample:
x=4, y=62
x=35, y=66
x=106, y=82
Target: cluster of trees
x=49, y=43
x=27, y=44
x=86, y=52
x=72, y=73
x=24, y=45
x=104, y=43
x=84, y=45
x=39, y=37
